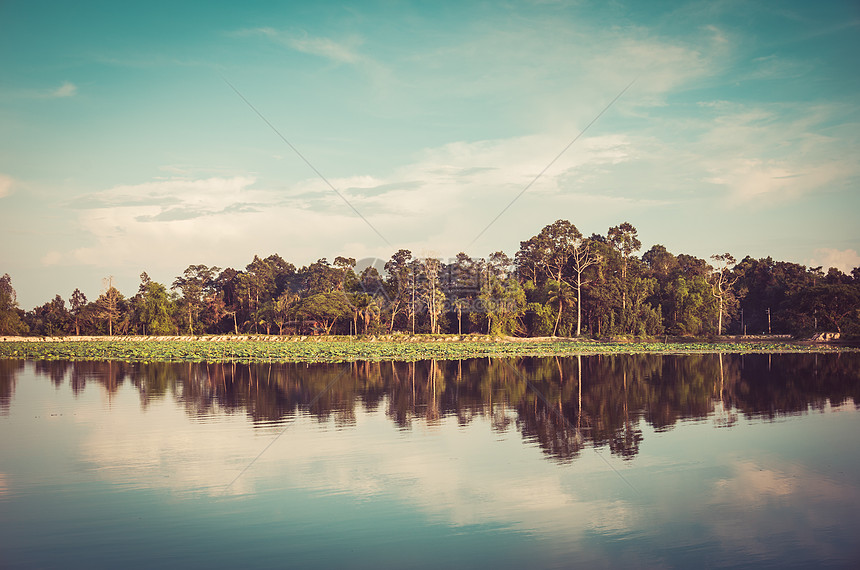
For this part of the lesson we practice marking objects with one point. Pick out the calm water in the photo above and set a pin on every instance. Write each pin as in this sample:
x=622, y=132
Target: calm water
x=630, y=461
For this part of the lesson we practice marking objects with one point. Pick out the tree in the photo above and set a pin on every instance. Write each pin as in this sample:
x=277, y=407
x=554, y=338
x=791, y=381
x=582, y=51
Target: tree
x=459, y=304
x=400, y=282
x=323, y=278
x=528, y=261
x=196, y=282
x=660, y=262
x=499, y=264
x=284, y=305
x=345, y=266
x=49, y=319
x=326, y=308
x=694, y=305
x=503, y=303
x=10, y=318
x=583, y=258
x=77, y=302
x=838, y=303
x=366, y=308
x=371, y=282
x=556, y=243
x=154, y=307
x=463, y=278
x=109, y=304
x=432, y=295
x=561, y=293
x=600, y=290
x=624, y=239
x=462, y=286
x=721, y=283
x=226, y=287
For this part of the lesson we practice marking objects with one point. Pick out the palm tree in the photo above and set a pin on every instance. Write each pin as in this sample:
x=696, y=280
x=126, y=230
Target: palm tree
x=283, y=306
x=561, y=293
x=460, y=304
x=366, y=308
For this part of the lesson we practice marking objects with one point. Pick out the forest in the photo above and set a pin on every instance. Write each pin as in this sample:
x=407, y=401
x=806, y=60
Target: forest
x=559, y=283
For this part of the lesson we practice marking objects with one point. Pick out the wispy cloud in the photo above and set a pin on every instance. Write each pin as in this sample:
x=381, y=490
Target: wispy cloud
x=166, y=223
x=433, y=199
x=205, y=194
x=338, y=51
x=53, y=257
x=844, y=260
x=325, y=47
x=173, y=214
x=772, y=153
x=6, y=184
x=67, y=89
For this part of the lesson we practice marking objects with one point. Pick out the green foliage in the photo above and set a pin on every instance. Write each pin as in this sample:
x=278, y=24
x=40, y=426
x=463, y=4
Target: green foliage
x=50, y=319
x=326, y=308
x=837, y=304
x=561, y=283
x=540, y=319
x=155, y=309
x=505, y=303
x=344, y=349
x=10, y=317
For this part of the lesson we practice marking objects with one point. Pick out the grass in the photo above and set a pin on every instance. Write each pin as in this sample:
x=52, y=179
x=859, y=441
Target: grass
x=345, y=349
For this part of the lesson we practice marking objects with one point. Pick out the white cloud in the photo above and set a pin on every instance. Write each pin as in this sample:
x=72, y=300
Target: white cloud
x=717, y=34
x=763, y=153
x=67, y=89
x=171, y=223
x=52, y=258
x=325, y=47
x=342, y=52
x=756, y=179
x=844, y=260
x=208, y=194
x=442, y=199
x=6, y=183
x=768, y=154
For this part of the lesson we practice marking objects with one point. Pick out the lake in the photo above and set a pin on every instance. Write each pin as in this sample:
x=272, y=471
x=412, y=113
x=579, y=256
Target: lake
x=620, y=461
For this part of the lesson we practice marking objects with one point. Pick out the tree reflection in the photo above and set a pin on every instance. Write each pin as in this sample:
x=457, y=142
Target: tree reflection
x=9, y=370
x=561, y=405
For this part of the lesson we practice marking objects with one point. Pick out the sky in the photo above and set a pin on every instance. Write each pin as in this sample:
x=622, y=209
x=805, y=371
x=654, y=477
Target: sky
x=152, y=136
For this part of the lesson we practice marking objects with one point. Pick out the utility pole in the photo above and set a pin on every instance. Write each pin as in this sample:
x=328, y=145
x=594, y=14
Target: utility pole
x=768, y=320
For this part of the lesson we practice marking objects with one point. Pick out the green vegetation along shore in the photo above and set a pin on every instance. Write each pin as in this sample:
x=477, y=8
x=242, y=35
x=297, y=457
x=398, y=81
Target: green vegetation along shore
x=346, y=349
x=560, y=283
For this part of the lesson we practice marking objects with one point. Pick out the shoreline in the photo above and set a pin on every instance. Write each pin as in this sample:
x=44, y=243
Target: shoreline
x=262, y=348
x=405, y=338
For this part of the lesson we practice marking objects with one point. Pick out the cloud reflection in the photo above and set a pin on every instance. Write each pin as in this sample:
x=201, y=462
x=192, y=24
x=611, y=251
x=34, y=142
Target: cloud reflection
x=440, y=450
x=767, y=510
x=457, y=476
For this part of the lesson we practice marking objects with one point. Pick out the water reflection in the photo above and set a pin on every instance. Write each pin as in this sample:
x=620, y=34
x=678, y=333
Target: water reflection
x=560, y=404
x=9, y=370
x=432, y=464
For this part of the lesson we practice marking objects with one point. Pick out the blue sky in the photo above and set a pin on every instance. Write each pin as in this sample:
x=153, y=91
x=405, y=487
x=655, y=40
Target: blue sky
x=123, y=149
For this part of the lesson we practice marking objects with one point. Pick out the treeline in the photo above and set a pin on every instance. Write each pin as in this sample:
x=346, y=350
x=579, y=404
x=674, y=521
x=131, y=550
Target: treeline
x=559, y=283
